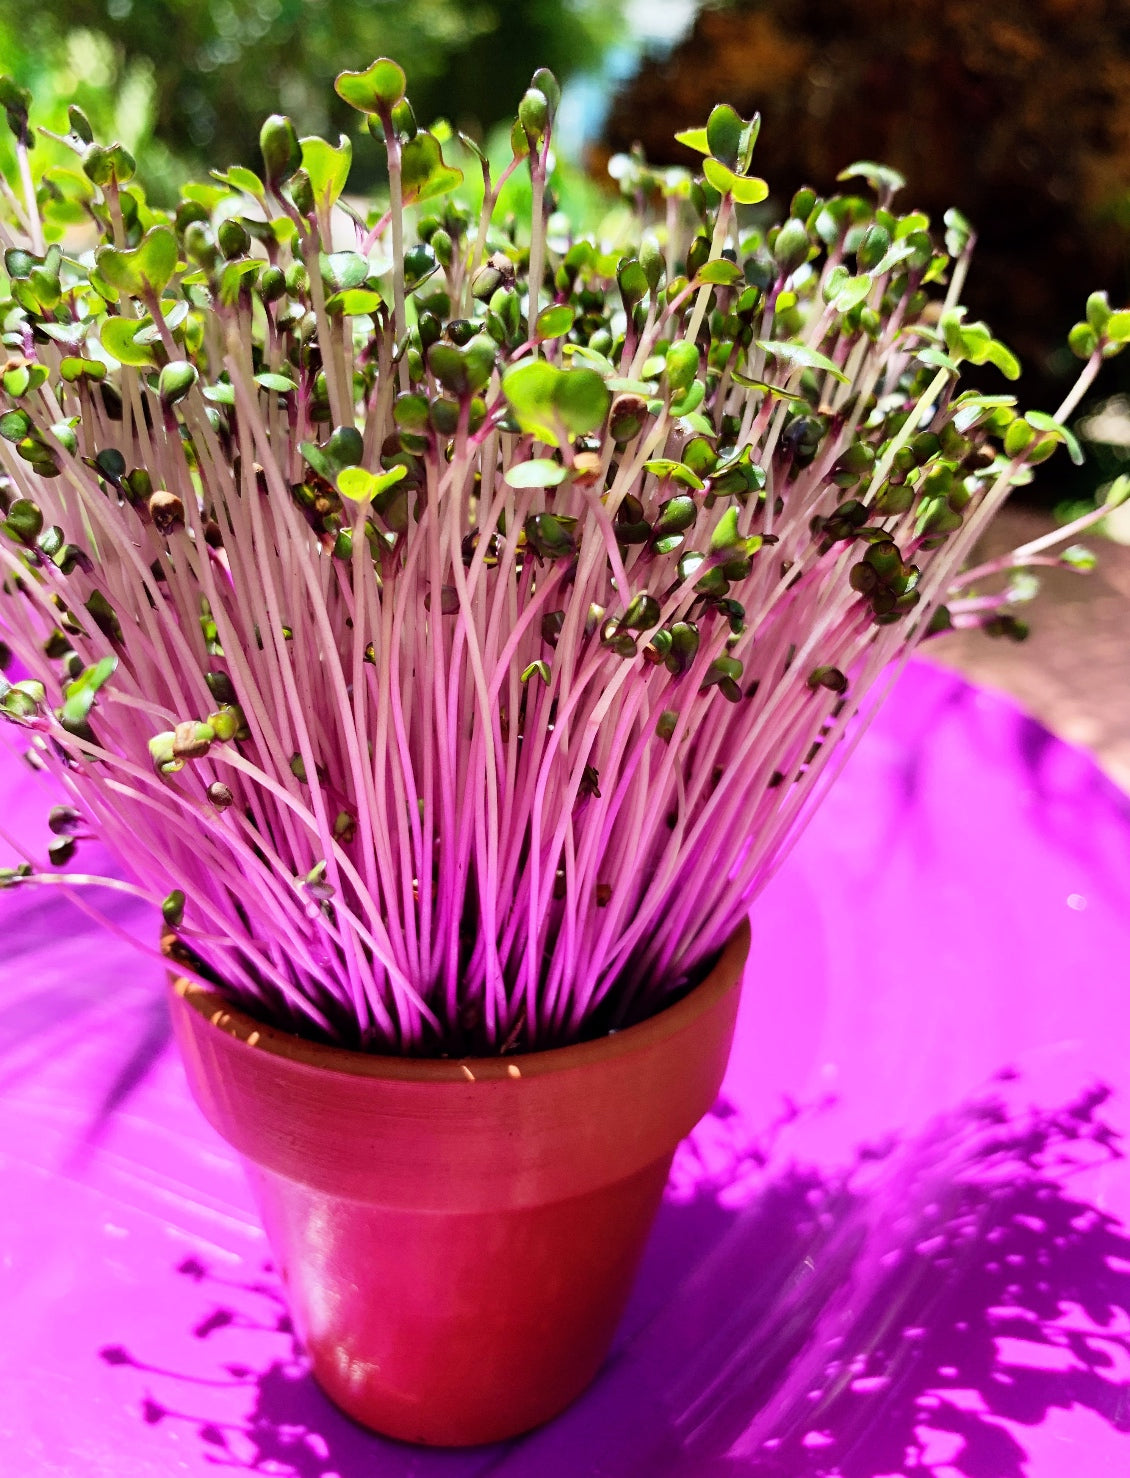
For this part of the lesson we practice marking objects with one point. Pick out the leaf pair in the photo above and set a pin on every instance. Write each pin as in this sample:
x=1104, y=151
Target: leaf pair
x=146, y=270
x=728, y=141
x=554, y=404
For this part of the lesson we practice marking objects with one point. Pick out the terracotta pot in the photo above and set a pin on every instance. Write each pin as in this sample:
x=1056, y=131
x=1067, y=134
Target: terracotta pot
x=458, y=1239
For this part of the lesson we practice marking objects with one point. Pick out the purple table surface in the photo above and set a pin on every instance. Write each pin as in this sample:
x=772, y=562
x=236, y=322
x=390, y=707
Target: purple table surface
x=898, y=1245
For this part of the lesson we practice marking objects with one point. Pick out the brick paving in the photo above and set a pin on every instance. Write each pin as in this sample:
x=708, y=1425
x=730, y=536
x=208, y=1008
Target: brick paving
x=1073, y=672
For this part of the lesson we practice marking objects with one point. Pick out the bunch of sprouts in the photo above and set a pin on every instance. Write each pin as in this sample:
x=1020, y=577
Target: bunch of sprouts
x=448, y=617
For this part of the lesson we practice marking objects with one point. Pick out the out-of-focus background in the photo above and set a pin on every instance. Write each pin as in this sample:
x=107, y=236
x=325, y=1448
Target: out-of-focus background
x=1017, y=112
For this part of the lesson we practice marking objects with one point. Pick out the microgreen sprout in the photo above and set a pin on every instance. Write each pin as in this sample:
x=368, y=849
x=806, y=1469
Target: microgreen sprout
x=448, y=619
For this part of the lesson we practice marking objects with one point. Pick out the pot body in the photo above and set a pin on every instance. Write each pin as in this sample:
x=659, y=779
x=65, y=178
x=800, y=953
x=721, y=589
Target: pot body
x=458, y=1239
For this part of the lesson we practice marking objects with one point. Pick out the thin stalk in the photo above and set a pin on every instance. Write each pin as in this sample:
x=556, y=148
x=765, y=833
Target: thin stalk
x=717, y=242
x=537, y=231
x=396, y=193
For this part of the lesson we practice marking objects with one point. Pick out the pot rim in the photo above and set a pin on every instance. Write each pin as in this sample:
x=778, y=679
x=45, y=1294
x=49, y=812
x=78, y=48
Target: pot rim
x=258, y=1036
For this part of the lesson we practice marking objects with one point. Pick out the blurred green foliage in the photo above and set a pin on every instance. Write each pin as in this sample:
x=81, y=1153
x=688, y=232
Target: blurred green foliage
x=186, y=80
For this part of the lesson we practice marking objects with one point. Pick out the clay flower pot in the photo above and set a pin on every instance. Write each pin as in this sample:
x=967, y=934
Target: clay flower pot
x=459, y=1239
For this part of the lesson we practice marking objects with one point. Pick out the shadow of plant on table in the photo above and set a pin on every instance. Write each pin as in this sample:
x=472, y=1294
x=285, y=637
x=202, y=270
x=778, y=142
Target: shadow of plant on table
x=287, y=1426
x=932, y=1292
x=913, y=1308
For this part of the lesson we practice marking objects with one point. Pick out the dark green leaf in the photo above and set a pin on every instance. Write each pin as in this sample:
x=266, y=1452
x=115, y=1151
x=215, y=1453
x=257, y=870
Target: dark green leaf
x=554, y=321
x=424, y=173
x=724, y=134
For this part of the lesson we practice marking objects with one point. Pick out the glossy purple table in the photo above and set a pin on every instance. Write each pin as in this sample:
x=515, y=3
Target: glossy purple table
x=898, y=1246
